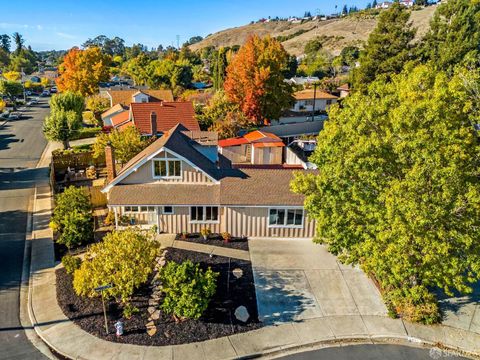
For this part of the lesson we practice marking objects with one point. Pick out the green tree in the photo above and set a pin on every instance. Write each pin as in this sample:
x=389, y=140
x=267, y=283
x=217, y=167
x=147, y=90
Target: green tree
x=454, y=34
x=137, y=68
x=19, y=41
x=219, y=68
x=61, y=125
x=77, y=228
x=68, y=101
x=397, y=189
x=72, y=198
x=127, y=143
x=11, y=88
x=388, y=47
x=187, y=288
x=97, y=104
x=124, y=259
x=5, y=43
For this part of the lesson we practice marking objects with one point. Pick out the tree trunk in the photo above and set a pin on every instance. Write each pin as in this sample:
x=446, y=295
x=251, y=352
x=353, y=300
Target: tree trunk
x=66, y=144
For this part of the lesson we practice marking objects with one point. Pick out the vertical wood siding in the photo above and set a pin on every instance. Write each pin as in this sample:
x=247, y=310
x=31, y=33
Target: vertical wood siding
x=179, y=222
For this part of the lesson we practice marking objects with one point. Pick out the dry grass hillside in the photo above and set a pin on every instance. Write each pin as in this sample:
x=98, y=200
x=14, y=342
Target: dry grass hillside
x=337, y=33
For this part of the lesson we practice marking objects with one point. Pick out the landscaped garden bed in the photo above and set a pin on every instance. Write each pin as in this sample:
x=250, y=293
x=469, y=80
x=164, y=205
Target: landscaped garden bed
x=215, y=240
x=233, y=289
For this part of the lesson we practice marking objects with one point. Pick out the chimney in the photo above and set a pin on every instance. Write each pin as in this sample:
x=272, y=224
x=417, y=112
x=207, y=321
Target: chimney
x=153, y=121
x=110, y=161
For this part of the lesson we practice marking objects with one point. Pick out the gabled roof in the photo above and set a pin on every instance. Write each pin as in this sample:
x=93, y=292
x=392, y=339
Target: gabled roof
x=125, y=96
x=175, y=141
x=257, y=138
x=114, y=109
x=344, y=87
x=168, y=115
x=120, y=118
x=308, y=94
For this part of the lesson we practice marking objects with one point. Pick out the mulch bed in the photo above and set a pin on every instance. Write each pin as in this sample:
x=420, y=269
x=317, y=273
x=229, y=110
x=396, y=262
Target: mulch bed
x=218, y=320
x=216, y=240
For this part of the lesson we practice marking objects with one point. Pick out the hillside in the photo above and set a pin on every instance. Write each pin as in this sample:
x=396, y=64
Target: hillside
x=337, y=33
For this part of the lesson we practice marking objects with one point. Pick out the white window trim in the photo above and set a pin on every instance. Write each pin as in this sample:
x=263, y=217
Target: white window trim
x=167, y=159
x=140, y=209
x=168, y=213
x=204, y=215
x=286, y=226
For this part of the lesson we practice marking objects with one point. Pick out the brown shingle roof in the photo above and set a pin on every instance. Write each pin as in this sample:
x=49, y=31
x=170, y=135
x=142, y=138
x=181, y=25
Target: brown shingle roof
x=112, y=110
x=307, y=94
x=238, y=187
x=125, y=96
x=169, y=114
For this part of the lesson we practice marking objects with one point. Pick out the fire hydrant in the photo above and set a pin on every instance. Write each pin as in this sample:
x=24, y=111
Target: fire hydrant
x=119, y=328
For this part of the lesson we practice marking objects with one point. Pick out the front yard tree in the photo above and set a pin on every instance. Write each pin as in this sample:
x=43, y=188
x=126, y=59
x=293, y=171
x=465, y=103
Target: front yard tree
x=68, y=101
x=255, y=79
x=398, y=189
x=127, y=143
x=60, y=126
x=124, y=259
x=388, y=47
x=82, y=70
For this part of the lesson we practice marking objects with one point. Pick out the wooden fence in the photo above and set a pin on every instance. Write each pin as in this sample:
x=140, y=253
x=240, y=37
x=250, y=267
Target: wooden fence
x=82, y=160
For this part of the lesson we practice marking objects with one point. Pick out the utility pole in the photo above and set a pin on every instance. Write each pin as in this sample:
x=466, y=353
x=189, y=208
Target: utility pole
x=314, y=100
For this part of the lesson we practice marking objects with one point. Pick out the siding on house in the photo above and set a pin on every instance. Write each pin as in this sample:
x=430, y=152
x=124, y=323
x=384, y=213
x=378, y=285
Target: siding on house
x=180, y=221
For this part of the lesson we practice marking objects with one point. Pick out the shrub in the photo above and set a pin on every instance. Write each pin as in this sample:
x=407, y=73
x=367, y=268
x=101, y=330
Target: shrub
x=71, y=198
x=187, y=288
x=129, y=310
x=205, y=232
x=86, y=132
x=77, y=228
x=415, y=304
x=71, y=263
x=226, y=236
x=124, y=259
x=109, y=219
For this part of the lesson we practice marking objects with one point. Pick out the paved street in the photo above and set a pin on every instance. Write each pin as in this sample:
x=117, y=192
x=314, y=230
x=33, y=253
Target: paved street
x=21, y=145
x=373, y=352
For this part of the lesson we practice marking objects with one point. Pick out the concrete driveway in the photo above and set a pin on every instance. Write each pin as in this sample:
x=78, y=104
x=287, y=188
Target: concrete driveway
x=297, y=279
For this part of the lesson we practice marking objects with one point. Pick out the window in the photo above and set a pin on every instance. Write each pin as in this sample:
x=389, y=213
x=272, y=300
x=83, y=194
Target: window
x=329, y=102
x=130, y=209
x=285, y=217
x=147, y=209
x=168, y=210
x=204, y=213
x=166, y=168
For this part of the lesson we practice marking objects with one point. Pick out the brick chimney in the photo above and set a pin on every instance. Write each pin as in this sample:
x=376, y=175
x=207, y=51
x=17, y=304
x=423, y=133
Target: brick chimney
x=110, y=161
x=153, y=121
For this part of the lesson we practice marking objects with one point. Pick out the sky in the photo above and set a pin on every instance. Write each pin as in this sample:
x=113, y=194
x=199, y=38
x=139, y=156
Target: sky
x=62, y=24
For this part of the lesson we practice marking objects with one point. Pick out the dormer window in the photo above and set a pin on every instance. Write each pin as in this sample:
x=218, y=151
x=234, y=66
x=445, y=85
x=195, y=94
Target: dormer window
x=167, y=168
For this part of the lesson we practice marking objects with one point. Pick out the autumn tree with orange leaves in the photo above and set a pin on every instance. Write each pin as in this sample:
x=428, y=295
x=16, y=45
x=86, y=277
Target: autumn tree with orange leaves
x=82, y=70
x=255, y=79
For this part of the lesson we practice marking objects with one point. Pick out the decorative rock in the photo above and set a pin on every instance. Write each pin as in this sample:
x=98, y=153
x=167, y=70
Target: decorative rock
x=151, y=328
x=152, y=302
x=237, y=272
x=151, y=310
x=241, y=313
x=155, y=315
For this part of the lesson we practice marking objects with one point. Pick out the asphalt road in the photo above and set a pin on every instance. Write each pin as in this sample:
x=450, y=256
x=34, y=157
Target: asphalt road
x=21, y=145
x=374, y=352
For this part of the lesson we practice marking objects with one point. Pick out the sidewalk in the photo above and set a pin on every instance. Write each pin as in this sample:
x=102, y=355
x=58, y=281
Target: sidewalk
x=70, y=341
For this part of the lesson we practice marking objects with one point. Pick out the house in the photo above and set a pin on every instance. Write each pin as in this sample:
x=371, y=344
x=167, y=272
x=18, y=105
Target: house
x=344, y=90
x=292, y=128
x=126, y=97
x=309, y=100
x=302, y=80
x=181, y=184
x=154, y=118
x=384, y=5
x=107, y=115
x=407, y=3
x=255, y=148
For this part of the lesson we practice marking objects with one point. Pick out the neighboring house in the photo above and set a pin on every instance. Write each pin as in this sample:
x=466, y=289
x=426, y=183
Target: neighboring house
x=299, y=151
x=154, y=118
x=302, y=80
x=344, y=90
x=308, y=99
x=114, y=110
x=126, y=97
x=407, y=3
x=293, y=128
x=181, y=184
x=255, y=148
x=384, y=5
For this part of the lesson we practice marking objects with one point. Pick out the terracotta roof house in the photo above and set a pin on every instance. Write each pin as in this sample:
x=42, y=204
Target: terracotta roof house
x=181, y=183
x=255, y=148
x=307, y=100
x=154, y=118
x=126, y=97
x=107, y=115
x=344, y=90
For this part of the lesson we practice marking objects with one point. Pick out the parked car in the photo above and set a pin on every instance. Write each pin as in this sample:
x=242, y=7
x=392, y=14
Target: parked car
x=45, y=93
x=29, y=103
x=4, y=115
x=28, y=93
x=53, y=90
x=14, y=116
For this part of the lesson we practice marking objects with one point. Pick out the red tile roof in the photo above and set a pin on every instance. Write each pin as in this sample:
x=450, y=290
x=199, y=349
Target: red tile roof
x=257, y=138
x=120, y=118
x=169, y=114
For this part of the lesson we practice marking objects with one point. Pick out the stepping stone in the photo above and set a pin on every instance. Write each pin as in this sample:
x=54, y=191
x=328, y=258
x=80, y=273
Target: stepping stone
x=152, y=302
x=151, y=328
x=155, y=315
x=237, y=272
x=241, y=313
x=151, y=310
